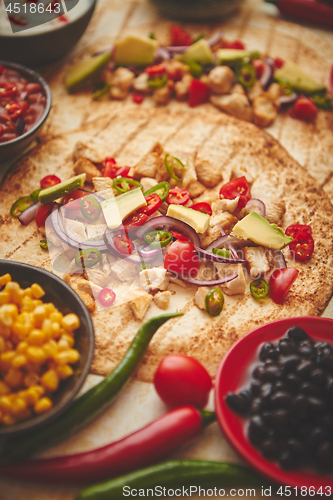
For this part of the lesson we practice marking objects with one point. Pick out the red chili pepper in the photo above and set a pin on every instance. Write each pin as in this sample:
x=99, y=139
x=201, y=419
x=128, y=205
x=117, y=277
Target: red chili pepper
x=153, y=204
x=144, y=447
x=7, y=89
x=156, y=69
x=14, y=110
x=110, y=160
x=137, y=98
x=199, y=93
x=291, y=230
x=278, y=62
x=178, y=196
x=178, y=236
x=259, y=67
x=306, y=10
x=303, y=245
x=49, y=180
x=236, y=44
x=203, y=207
x=179, y=37
x=106, y=297
x=124, y=172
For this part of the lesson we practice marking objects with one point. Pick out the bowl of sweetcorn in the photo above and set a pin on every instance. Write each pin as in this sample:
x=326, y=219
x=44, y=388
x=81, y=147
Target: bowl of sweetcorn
x=46, y=347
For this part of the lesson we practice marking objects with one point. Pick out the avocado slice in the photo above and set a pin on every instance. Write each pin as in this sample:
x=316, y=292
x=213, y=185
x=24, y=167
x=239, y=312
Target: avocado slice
x=256, y=228
x=199, y=52
x=116, y=209
x=85, y=70
x=136, y=50
x=197, y=220
x=292, y=74
x=58, y=190
x=230, y=56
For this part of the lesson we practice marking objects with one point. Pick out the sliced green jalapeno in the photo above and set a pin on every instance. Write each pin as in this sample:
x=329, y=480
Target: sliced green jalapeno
x=20, y=205
x=195, y=69
x=322, y=102
x=101, y=89
x=259, y=288
x=34, y=195
x=174, y=167
x=161, y=189
x=88, y=257
x=246, y=75
x=221, y=252
x=214, y=301
x=124, y=184
x=90, y=208
x=158, y=80
x=44, y=244
x=158, y=238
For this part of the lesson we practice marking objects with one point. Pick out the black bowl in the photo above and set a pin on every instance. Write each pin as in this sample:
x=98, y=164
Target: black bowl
x=14, y=147
x=66, y=300
x=42, y=48
x=197, y=10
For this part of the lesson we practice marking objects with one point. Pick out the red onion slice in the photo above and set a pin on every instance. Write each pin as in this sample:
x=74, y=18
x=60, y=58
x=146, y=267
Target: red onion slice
x=255, y=205
x=166, y=223
x=174, y=51
x=215, y=38
x=193, y=281
x=217, y=258
x=226, y=241
x=288, y=99
x=266, y=75
x=29, y=214
x=162, y=53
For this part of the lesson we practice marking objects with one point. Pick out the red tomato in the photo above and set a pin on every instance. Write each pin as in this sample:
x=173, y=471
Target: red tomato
x=237, y=187
x=182, y=380
x=137, y=98
x=280, y=283
x=182, y=258
x=178, y=236
x=134, y=220
x=178, y=196
x=49, y=180
x=156, y=69
x=236, y=44
x=124, y=172
x=259, y=67
x=291, y=230
x=106, y=297
x=123, y=244
x=278, y=63
x=179, y=37
x=304, y=109
x=110, y=169
x=42, y=214
x=154, y=203
x=203, y=207
x=303, y=245
x=73, y=199
x=199, y=93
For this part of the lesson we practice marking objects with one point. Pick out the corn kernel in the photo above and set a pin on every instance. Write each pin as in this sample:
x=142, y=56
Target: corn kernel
x=10, y=309
x=8, y=419
x=50, y=381
x=36, y=355
x=64, y=371
x=56, y=330
x=36, y=337
x=42, y=405
x=4, y=279
x=50, y=348
x=19, y=360
x=13, y=378
x=33, y=394
x=15, y=292
x=6, y=359
x=5, y=403
x=4, y=298
x=4, y=389
x=37, y=291
x=56, y=317
x=39, y=315
x=2, y=345
x=22, y=347
x=19, y=405
x=20, y=329
x=49, y=308
x=70, y=322
x=31, y=379
x=5, y=318
x=47, y=329
x=28, y=293
x=37, y=302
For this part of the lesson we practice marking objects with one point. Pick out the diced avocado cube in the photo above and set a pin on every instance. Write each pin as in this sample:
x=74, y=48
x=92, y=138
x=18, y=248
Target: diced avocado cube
x=293, y=75
x=256, y=228
x=58, y=190
x=200, y=52
x=116, y=209
x=136, y=50
x=197, y=220
x=86, y=70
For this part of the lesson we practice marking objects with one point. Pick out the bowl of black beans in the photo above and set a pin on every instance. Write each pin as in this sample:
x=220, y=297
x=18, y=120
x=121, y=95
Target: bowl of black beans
x=274, y=401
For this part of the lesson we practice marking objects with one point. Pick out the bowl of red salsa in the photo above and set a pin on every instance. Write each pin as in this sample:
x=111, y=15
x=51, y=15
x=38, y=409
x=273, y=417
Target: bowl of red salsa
x=25, y=102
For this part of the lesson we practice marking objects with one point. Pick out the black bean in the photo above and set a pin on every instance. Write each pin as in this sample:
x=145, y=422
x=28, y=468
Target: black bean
x=304, y=429
x=297, y=334
x=276, y=417
x=271, y=373
x=316, y=405
x=329, y=386
x=281, y=399
x=318, y=376
x=305, y=368
x=306, y=351
x=327, y=360
x=324, y=453
x=293, y=381
x=299, y=407
x=288, y=460
x=268, y=351
x=247, y=395
x=270, y=448
x=258, y=371
x=266, y=391
x=295, y=445
x=310, y=389
x=258, y=430
x=322, y=352
x=237, y=403
x=255, y=387
x=326, y=421
x=287, y=346
x=316, y=437
x=288, y=363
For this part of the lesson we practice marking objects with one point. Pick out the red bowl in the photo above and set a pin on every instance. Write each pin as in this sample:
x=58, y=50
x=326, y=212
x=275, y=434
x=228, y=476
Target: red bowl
x=234, y=372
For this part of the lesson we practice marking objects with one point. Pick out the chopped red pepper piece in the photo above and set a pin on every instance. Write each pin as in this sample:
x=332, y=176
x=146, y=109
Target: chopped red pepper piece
x=304, y=109
x=199, y=93
x=15, y=109
x=234, y=188
x=179, y=37
x=278, y=63
x=153, y=203
x=137, y=98
x=156, y=69
x=123, y=244
x=303, y=245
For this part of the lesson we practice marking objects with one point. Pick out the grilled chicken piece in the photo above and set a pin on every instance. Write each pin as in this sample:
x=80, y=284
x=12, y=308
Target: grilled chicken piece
x=199, y=297
x=147, y=167
x=208, y=174
x=224, y=205
x=240, y=171
x=140, y=305
x=189, y=171
x=235, y=104
x=147, y=183
x=235, y=286
x=220, y=79
x=255, y=91
x=85, y=166
x=258, y=262
x=98, y=277
x=225, y=220
x=196, y=189
x=182, y=87
x=140, y=84
x=82, y=149
x=264, y=111
x=206, y=271
x=121, y=82
x=162, y=95
x=102, y=183
x=89, y=287
x=275, y=210
x=162, y=299
x=154, y=279
x=237, y=89
x=86, y=298
x=274, y=91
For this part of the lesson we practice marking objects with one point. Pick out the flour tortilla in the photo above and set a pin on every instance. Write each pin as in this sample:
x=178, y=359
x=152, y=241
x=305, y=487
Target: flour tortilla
x=224, y=142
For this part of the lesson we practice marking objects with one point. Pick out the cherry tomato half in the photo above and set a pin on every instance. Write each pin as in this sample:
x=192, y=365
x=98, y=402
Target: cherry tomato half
x=280, y=283
x=236, y=44
x=182, y=258
x=203, y=207
x=179, y=37
x=199, y=93
x=259, y=67
x=42, y=214
x=154, y=203
x=237, y=187
x=303, y=245
x=134, y=220
x=304, y=109
x=291, y=230
x=181, y=380
x=178, y=196
x=123, y=244
x=73, y=200
x=49, y=180
x=110, y=168
x=106, y=297
x=156, y=69
x=137, y=98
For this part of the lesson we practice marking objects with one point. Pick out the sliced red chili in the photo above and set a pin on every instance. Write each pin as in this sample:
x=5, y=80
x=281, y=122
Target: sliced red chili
x=278, y=63
x=178, y=196
x=304, y=109
x=106, y=297
x=303, y=245
x=178, y=236
x=43, y=212
x=153, y=203
x=123, y=244
x=236, y=44
x=291, y=230
x=237, y=187
x=135, y=220
x=137, y=98
x=156, y=69
x=7, y=89
x=203, y=207
x=15, y=109
x=124, y=172
x=73, y=200
x=49, y=180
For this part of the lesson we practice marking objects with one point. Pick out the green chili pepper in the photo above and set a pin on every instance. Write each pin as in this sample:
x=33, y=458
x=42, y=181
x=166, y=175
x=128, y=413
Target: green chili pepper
x=157, y=238
x=90, y=405
x=195, y=69
x=90, y=208
x=44, y=245
x=142, y=266
x=158, y=80
x=88, y=257
x=176, y=474
x=100, y=90
x=214, y=301
x=34, y=195
x=20, y=205
x=125, y=184
x=174, y=167
x=152, y=35
x=259, y=288
x=322, y=102
x=246, y=75
x=161, y=189
x=222, y=252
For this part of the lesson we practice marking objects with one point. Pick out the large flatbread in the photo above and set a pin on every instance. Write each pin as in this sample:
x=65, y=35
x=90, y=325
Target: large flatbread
x=223, y=142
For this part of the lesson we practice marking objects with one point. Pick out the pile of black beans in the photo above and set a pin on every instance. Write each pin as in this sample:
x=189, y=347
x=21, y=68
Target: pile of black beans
x=289, y=404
